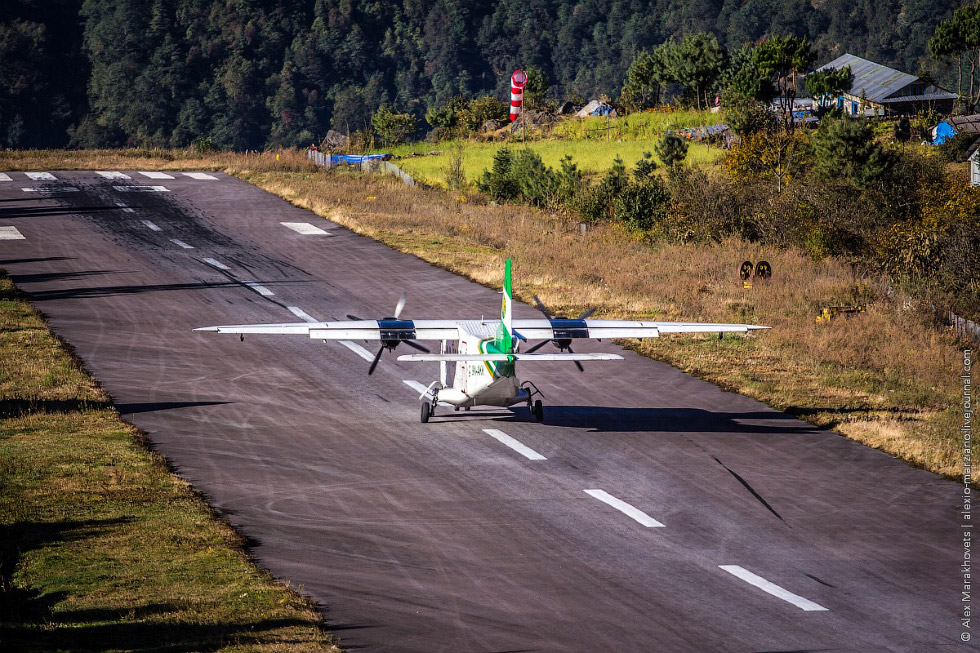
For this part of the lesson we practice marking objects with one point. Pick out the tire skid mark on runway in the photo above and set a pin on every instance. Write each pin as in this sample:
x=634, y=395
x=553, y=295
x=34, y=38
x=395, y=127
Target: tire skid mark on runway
x=748, y=487
x=771, y=588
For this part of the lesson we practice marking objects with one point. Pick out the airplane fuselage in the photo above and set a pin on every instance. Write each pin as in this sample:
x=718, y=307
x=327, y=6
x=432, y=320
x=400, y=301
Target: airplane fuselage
x=481, y=383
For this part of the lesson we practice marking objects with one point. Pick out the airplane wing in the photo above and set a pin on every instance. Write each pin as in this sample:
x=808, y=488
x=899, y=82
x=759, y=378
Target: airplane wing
x=353, y=329
x=510, y=357
x=535, y=329
x=564, y=329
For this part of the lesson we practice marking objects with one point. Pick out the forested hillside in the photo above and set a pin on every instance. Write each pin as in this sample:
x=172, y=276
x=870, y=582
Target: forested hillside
x=254, y=73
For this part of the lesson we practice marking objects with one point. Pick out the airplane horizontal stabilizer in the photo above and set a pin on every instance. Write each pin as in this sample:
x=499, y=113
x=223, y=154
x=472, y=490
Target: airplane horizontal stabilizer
x=510, y=357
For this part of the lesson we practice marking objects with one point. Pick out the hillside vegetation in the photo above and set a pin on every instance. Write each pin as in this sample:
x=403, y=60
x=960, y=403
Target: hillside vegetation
x=245, y=75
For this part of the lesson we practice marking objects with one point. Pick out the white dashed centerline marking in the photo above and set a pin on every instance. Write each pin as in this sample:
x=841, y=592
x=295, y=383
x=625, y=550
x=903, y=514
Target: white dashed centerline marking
x=112, y=174
x=125, y=208
x=151, y=226
x=414, y=385
x=142, y=189
x=200, y=176
x=262, y=290
x=625, y=508
x=41, y=176
x=179, y=243
x=301, y=314
x=5, y=177
x=156, y=175
x=517, y=446
x=11, y=233
x=771, y=588
x=215, y=263
x=305, y=228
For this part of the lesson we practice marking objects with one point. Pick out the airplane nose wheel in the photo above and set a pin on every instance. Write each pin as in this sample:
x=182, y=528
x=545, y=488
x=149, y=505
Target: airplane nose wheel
x=538, y=411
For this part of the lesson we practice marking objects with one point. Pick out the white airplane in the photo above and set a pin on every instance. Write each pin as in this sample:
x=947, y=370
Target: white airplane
x=485, y=352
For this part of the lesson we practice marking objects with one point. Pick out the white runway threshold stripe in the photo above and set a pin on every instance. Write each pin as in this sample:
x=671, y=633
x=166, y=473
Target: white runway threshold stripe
x=262, y=290
x=200, y=176
x=11, y=233
x=179, y=243
x=156, y=175
x=5, y=177
x=771, y=588
x=151, y=226
x=41, y=176
x=630, y=511
x=125, y=208
x=357, y=349
x=141, y=189
x=112, y=174
x=51, y=189
x=305, y=228
x=516, y=445
x=215, y=263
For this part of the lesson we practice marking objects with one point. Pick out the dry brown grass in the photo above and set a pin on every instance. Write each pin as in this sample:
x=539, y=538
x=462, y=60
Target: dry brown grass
x=886, y=378
x=150, y=159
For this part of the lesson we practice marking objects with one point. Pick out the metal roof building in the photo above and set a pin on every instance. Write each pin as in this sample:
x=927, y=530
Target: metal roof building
x=886, y=90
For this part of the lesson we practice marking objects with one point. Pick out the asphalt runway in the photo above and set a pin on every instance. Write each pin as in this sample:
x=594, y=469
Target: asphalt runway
x=666, y=515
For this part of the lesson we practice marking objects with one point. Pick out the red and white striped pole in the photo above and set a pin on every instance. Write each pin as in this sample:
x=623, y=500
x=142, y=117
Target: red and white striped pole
x=517, y=82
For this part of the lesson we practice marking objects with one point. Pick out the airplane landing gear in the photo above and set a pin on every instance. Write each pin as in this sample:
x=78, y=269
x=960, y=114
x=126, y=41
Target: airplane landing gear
x=426, y=411
x=538, y=410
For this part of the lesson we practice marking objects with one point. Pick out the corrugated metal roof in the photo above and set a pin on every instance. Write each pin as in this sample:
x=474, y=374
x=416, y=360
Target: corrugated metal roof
x=876, y=80
x=964, y=124
x=941, y=95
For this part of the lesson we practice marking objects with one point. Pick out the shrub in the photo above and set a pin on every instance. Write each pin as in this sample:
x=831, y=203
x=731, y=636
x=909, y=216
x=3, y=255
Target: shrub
x=498, y=182
x=846, y=149
x=672, y=150
x=393, y=128
x=596, y=203
x=640, y=206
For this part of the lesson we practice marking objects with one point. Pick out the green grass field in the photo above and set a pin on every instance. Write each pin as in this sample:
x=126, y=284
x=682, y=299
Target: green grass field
x=593, y=144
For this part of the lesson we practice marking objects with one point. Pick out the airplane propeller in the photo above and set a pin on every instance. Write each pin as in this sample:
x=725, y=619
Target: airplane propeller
x=563, y=344
x=391, y=343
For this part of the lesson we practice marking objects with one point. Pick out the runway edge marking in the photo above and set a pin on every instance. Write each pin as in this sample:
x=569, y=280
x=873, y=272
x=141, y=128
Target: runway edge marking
x=632, y=512
x=514, y=444
x=771, y=588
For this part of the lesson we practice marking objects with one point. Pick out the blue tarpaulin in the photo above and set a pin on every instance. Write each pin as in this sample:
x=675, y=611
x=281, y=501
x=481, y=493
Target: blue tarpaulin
x=357, y=158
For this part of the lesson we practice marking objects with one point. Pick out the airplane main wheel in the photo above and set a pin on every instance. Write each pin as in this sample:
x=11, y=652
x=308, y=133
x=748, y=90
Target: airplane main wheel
x=538, y=411
x=426, y=412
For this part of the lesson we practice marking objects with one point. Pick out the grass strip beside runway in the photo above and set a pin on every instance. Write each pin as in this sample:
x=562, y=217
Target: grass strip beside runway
x=101, y=547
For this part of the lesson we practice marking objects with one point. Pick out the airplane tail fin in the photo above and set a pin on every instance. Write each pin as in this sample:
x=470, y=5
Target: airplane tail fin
x=504, y=338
